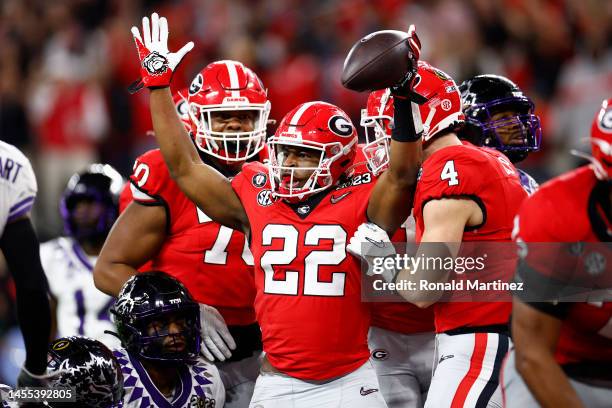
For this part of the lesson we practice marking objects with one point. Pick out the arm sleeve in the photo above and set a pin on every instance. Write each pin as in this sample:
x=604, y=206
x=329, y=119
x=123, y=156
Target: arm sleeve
x=150, y=179
x=452, y=174
x=21, y=250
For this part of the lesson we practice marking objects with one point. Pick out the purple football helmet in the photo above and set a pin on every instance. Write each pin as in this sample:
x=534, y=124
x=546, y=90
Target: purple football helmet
x=147, y=306
x=499, y=115
x=99, y=183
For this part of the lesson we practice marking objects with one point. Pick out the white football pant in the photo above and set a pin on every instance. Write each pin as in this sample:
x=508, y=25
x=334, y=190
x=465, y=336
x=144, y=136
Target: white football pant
x=358, y=389
x=403, y=364
x=467, y=370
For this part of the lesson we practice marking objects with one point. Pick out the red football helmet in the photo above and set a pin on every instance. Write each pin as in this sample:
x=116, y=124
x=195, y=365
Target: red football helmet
x=377, y=120
x=601, y=141
x=317, y=126
x=228, y=86
x=182, y=107
x=442, y=111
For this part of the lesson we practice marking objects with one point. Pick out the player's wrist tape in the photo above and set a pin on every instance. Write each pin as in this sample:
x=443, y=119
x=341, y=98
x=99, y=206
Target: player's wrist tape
x=407, y=126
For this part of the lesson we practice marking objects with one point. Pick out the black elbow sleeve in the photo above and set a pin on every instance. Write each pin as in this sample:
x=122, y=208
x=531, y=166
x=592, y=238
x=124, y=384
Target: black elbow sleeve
x=21, y=250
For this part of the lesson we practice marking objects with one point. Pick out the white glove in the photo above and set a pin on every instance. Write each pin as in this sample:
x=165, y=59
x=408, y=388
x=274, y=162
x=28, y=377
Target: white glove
x=157, y=63
x=371, y=243
x=216, y=338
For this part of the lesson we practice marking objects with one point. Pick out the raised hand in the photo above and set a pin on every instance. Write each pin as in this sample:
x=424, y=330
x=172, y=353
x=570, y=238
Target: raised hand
x=157, y=64
x=404, y=88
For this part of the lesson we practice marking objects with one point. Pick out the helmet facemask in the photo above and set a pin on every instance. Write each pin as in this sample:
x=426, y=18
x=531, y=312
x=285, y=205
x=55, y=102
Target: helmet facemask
x=148, y=335
x=229, y=146
x=523, y=127
x=377, y=133
x=283, y=178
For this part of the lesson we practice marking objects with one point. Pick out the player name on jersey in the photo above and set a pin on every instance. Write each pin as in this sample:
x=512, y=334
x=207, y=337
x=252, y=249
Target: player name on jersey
x=9, y=169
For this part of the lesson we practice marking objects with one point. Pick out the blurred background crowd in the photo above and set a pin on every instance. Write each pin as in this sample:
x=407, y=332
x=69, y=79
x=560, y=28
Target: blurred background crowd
x=65, y=66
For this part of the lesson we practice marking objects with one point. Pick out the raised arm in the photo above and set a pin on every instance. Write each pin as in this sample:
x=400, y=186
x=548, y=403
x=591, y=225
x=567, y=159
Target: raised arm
x=391, y=200
x=206, y=187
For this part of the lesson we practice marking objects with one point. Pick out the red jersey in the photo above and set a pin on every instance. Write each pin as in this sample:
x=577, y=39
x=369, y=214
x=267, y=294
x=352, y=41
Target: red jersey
x=308, y=304
x=211, y=260
x=487, y=177
x=586, y=330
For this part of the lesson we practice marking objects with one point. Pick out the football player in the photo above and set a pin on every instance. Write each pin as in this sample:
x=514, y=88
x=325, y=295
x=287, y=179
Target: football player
x=158, y=323
x=227, y=120
x=401, y=336
x=20, y=247
x=89, y=368
x=563, y=351
x=298, y=213
x=500, y=116
x=465, y=193
x=89, y=207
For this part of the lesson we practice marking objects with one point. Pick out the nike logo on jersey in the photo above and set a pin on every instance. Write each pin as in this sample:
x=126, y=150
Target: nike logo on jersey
x=363, y=391
x=445, y=358
x=333, y=199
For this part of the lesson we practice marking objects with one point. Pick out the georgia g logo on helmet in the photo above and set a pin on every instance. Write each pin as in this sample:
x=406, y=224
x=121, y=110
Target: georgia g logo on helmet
x=340, y=126
x=606, y=121
x=196, y=84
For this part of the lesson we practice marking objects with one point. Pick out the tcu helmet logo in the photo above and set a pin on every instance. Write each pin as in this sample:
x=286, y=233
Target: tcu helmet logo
x=155, y=64
x=60, y=344
x=196, y=84
x=264, y=198
x=340, y=126
x=259, y=180
x=606, y=121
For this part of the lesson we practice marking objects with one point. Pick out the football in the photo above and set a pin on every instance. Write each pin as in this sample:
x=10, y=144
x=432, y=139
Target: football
x=377, y=61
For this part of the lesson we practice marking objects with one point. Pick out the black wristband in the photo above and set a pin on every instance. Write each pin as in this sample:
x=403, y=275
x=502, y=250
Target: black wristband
x=403, y=122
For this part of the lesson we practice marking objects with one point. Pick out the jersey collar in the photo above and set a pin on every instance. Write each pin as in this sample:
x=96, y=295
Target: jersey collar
x=160, y=400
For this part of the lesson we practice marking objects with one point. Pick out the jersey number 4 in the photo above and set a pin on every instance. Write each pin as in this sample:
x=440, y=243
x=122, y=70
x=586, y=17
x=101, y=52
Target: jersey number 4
x=449, y=173
x=285, y=256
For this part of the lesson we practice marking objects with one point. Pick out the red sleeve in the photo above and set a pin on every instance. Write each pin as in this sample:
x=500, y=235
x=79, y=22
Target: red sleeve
x=253, y=176
x=150, y=179
x=453, y=173
x=556, y=212
x=535, y=219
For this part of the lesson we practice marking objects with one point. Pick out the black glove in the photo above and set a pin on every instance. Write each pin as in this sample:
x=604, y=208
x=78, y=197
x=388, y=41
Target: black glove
x=404, y=88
